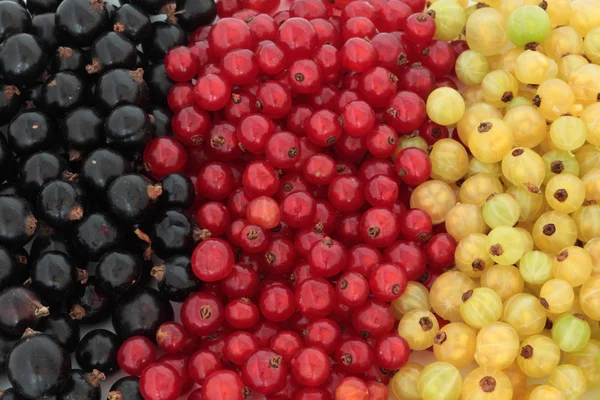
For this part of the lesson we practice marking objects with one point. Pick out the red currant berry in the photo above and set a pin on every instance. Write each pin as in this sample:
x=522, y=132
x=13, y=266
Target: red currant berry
x=241, y=313
x=345, y=193
x=164, y=156
x=171, y=337
x=212, y=92
x=298, y=38
x=181, y=65
x=354, y=356
x=323, y=128
x=181, y=95
x=191, y=126
x=358, y=55
x=286, y=344
x=135, y=354
x=406, y=112
x=352, y=388
x=362, y=259
x=440, y=251
x=298, y=210
x=439, y=57
x=393, y=15
x=413, y=166
x=327, y=257
x=273, y=99
x=387, y=282
x=202, y=364
x=223, y=384
x=315, y=297
x=202, y=314
x=265, y=372
x=283, y=149
x=241, y=282
x=229, y=34
x=239, y=346
x=240, y=67
x=417, y=78
x=212, y=260
x=352, y=289
x=379, y=227
x=392, y=351
x=263, y=27
x=311, y=367
x=160, y=381
x=373, y=319
x=420, y=28
x=310, y=9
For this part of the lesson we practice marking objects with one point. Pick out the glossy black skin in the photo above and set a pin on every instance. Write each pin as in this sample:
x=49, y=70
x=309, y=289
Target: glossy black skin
x=30, y=131
x=42, y=6
x=45, y=243
x=150, y=6
x=177, y=191
x=39, y=169
x=141, y=312
x=17, y=222
x=176, y=280
x=94, y=235
x=192, y=14
x=118, y=271
x=6, y=343
x=11, y=100
x=36, y=95
x=81, y=21
x=69, y=59
x=101, y=167
x=173, y=233
x=128, y=128
x=80, y=387
x=60, y=203
x=38, y=366
x=164, y=36
x=120, y=86
x=132, y=22
x=11, y=271
x=21, y=309
x=90, y=304
x=22, y=59
x=128, y=198
x=62, y=328
x=98, y=350
x=63, y=92
x=7, y=162
x=113, y=50
x=13, y=19
x=162, y=121
x=158, y=83
x=128, y=387
x=53, y=277
x=83, y=129
x=44, y=29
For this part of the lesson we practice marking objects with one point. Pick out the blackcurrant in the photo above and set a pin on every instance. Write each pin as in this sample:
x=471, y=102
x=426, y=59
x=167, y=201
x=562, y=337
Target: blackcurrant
x=101, y=167
x=132, y=22
x=177, y=191
x=62, y=328
x=81, y=21
x=176, y=280
x=98, y=350
x=112, y=50
x=82, y=385
x=120, y=86
x=94, y=235
x=118, y=271
x=30, y=131
x=22, y=59
x=17, y=222
x=128, y=128
x=21, y=309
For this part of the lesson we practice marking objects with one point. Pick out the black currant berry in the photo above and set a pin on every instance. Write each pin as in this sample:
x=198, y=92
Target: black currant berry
x=162, y=121
x=39, y=169
x=120, y=86
x=45, y=243
x=158, y=82
x=101, y=167
x=22, y=59
x=94, y=235
x=59, y=204
x=44, y=28
x=150, y=6
x=118, y=271
x=192, y=14
x=132, y=22
x=176, y=280
x=30, y=131
x=83, y=130
x=98, y=351
x=82, y=386
x=69, y=59
x=21, y=309
x=53, y=276
x=12, y=271
x=6, y=343
x=177, y=191
x=163, y=37
x=17, y=222
x=131, y=197
x=174, y=232
x=91, y=304
x=11, y=100
x=15, y=19
x=63, y=92
x=141, y=312
x=62, y=328
x=125, y=389
x=81, y=21
x=9, y=189
x=38, y=367
x=111, y=50
x=42, y=6
x=128, y=127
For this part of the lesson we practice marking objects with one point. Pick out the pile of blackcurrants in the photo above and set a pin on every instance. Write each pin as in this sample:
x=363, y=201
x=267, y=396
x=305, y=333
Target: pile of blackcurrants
x=83, y=90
